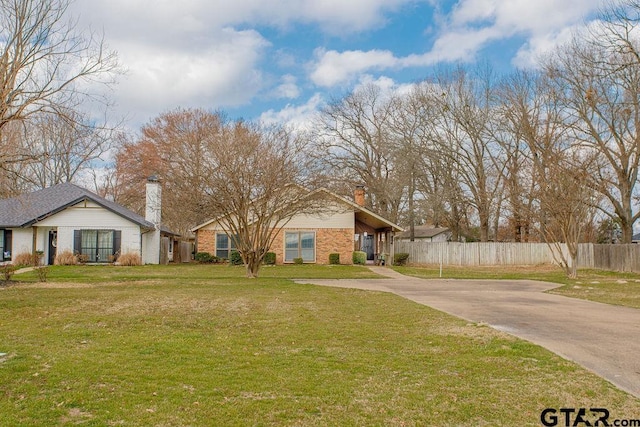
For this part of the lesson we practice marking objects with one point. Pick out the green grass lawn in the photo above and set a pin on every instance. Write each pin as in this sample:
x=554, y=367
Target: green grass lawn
x=201, y=345
x=595, y=285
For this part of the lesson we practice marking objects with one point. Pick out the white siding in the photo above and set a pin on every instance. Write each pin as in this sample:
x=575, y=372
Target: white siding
x=151, y=247
x=338, y=219
x=86, y=215
x=333, y=216
x=130, y=237
x=22, y=239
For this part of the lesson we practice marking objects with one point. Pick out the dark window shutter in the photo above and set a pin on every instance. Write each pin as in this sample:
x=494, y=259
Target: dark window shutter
x=77, y=241
x=117, y=238
x=7, y=243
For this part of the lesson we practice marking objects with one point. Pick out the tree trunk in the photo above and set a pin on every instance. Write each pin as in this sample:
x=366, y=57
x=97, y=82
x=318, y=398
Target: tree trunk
x=252, y=263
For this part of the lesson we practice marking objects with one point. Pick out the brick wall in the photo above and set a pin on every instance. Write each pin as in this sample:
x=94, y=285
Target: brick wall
x=334, y=240
x=207, y=241
x=328, y=240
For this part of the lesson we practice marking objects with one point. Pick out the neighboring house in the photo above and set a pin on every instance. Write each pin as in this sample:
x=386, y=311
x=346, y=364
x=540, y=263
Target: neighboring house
x=343, y=227
x=426, y=233
x=66, y=217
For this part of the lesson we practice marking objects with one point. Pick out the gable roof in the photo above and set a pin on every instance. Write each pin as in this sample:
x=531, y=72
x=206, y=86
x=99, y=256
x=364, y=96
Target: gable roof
x=366, y=215
x=423, y=232
x=27, y=209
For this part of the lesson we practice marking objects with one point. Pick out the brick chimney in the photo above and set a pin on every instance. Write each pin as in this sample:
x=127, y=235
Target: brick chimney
x=358, y=195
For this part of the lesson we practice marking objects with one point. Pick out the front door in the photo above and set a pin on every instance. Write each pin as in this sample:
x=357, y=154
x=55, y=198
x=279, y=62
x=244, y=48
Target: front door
x=53, y=243
x=367, y=246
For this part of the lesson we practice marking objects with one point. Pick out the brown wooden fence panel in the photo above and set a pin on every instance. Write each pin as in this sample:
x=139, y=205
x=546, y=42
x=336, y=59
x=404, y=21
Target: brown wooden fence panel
x=164, y=250
x=184, y=249
x=491, y=253
x=606, y=257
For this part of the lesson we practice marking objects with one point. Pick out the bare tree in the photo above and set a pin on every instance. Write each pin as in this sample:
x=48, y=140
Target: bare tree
x=43, y=58
x=531, y=128
x=174, y=146
x=465, y=105
x=411, y=143
x=600, y=91
x=355, y=144
x=568, y=201
x=60, y=150
x=254, y=176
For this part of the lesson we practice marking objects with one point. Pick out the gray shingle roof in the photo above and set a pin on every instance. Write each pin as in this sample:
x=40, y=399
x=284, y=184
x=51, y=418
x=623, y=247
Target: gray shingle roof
x=423, y=232
x=27, y=209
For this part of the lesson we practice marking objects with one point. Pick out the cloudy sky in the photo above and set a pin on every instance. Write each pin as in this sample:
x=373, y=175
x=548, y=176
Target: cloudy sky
x=280, y=60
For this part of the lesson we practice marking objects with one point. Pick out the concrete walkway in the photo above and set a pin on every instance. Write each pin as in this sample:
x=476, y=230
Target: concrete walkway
x=603, y=338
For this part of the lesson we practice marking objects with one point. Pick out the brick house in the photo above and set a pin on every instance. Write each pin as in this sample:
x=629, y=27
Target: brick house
x=344, y=227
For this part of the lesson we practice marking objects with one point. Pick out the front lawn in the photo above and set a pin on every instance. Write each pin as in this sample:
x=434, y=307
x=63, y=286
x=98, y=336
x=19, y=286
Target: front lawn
x=200, y=346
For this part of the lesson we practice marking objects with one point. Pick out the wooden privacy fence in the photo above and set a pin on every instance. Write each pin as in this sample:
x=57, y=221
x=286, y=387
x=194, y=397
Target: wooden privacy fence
x=606, y=257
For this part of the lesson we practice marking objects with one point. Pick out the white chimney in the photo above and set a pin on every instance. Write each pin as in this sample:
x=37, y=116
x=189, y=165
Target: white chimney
x=153, y=207
x=151, y=239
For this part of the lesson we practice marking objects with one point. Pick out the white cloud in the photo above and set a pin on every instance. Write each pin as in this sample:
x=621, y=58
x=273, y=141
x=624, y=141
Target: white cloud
x=529, y=54
x=223, y=73
x=296, y=116
x=288, y=88
x=332, y=68
x=195, y=16
x=473, y=24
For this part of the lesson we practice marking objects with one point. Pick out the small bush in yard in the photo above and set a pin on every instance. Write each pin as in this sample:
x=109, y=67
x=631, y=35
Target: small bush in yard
x=7, y=271
x=66, y=258
x=400, y=258
x=334, y=258
x=82, y=258
x=235, y=258
x=42, y=272
x=204, y=257
x=298, y=261
x=270, y=258
x=129, y=259
x=26, y=259
x=359, y=258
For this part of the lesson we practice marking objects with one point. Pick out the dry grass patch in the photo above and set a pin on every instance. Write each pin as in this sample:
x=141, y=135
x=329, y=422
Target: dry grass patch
x=270, y=353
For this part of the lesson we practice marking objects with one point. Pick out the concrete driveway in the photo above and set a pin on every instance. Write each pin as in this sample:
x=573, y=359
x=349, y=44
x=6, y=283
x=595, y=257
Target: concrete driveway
x=603, y=338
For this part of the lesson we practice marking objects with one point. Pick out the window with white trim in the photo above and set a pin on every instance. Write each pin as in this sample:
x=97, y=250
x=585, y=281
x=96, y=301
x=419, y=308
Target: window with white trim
x=225, y=245
x=300, y=244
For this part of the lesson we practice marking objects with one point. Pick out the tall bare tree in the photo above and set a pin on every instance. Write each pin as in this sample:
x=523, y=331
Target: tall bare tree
x=569, y=203
x=354, y=142
x=600, y=90
x=531, y=128
x=60, y=150
x=43, y=58
x=254, y=178
x=173, y=146
x=465, y=105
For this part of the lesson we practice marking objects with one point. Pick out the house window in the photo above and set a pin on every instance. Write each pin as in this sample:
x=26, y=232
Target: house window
x=97, y=245
x=225, y=245
x=300, y=244
x=5, y=245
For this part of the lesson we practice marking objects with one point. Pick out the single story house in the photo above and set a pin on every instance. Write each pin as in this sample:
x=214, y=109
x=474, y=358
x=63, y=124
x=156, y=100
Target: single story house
x=343, y=227
x=426, y=233
x=66, y=217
